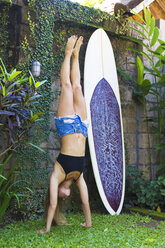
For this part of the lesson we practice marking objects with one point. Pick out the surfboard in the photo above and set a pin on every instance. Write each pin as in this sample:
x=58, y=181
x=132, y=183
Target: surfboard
x=105, y=134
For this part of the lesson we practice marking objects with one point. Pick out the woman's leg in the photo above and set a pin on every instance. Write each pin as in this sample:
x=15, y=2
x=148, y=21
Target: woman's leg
x=65, y=106
x=78, y=98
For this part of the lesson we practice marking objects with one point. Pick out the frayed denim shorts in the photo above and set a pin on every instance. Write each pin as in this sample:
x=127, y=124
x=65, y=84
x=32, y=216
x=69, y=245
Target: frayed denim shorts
x=71, y=124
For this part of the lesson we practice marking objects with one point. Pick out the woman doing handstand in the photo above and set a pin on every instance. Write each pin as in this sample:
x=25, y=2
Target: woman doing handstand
x=71, y=123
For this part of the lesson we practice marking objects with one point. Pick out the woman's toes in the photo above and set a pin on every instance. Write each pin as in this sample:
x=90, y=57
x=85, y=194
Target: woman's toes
x=78, y=45
x=70, y=44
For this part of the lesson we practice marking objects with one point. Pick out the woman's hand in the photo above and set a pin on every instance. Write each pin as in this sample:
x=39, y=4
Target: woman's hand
x=42, y=231
x=85, y=224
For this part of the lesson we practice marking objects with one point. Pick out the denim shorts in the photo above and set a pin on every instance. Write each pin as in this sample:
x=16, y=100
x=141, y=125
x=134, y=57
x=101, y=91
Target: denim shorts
x=71, y=124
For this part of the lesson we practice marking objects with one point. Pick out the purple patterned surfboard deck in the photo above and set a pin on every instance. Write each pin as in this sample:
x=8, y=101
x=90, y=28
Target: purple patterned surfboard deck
x=106, y=127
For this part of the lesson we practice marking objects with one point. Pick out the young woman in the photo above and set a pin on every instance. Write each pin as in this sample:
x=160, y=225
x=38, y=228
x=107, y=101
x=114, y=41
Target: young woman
x=71, y=123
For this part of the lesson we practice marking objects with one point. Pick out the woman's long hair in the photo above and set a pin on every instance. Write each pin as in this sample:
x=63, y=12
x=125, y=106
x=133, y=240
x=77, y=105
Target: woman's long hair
x=59, y=217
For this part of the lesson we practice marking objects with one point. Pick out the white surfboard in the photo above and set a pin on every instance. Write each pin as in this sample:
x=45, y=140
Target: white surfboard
x=105, y=134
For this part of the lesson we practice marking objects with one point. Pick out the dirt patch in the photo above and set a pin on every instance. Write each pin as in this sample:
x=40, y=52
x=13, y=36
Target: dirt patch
x=151, y=224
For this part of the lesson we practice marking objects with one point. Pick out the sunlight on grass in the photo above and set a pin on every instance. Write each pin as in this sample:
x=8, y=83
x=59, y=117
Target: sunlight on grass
x=108, y=231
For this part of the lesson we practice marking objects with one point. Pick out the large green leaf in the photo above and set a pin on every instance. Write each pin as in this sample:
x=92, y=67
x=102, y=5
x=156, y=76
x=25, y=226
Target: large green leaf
x=148, y=17
x=162, y=79
x=158, y=84
x=135, y=40
x=140, y=68
x=38, y=84
x=155, y=36
x=4, y=178
x=3, y=89
x=138, y=24
x=163, y=59
x=30, y=81
x=11, y=86
x=145, y=12
x=141, y=18
x=35, y=117
x=158, y=63
x=3, y=73
x=152, y=26
x=155, y=69
x=126, y=75
x=161, y=42
x=145, y=86
x=159, y=50
x=31, y=78
x=15, y=74
x=149, y=70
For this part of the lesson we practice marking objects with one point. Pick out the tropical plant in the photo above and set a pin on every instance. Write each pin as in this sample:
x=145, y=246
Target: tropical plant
x=9, y=187
x=18, y=97
x=142, y=192
x=18, y=93
x=161, y=182
x=143, y=86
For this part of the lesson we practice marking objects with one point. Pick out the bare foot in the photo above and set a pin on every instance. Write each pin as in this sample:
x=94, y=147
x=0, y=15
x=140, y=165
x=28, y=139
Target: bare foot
x=70, y=45
x=77, y=47
x=42, y=231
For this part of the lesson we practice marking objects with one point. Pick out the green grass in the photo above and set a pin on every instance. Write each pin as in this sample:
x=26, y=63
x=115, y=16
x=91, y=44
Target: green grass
x=122, y=231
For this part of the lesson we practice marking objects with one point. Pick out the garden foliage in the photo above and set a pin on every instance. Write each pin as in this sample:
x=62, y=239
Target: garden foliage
x=149, y=193
x=17, y=94
x=144, y=193
x=142, y=85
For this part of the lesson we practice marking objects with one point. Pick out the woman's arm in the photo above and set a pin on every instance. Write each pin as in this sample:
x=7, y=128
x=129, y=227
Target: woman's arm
x=81, y=184
x=53, y=202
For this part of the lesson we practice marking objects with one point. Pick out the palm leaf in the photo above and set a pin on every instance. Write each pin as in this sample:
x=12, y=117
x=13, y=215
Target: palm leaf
x=152, y=26
x=148, y=17
x=155, y=36
x=141, y=18
x=145, y=14
x=126, y=75
x=138, y=31
x=140, y=52
x=149, y=70
x=135, y=40
x=140, y=68
x=140, y=25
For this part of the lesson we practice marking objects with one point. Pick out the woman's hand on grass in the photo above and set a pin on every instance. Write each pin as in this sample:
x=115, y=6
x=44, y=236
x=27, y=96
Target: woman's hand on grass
x=42, y=231
x=85, y=224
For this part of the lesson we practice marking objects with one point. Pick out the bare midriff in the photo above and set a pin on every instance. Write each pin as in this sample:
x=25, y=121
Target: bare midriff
x=73, y=144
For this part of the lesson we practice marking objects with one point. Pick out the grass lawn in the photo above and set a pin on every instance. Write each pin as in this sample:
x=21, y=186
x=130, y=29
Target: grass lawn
x=121, y=231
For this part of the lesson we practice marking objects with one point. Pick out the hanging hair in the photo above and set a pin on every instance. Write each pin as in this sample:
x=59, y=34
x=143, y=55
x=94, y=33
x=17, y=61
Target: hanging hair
x=59, y=217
